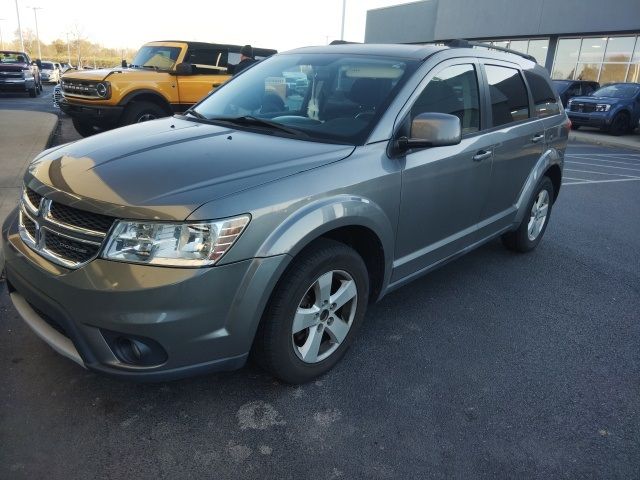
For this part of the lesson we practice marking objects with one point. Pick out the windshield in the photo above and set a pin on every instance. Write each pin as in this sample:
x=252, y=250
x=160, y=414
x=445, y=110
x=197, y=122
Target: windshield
x=617, y=90
x=324, y=96
x=12, y=57
x=156, y=56
x=47, y=66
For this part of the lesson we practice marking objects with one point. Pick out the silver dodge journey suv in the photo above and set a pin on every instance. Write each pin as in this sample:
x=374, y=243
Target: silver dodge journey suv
x=265, y=219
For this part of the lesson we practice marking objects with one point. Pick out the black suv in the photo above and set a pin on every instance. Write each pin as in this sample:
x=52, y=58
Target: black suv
x=567, y=89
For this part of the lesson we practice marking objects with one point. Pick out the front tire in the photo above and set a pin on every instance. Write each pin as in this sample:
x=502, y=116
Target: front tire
x=138, y=112
x=314, y=312
x=84, y=129
x=620, y=124
x=531, y=230
x=33, y=92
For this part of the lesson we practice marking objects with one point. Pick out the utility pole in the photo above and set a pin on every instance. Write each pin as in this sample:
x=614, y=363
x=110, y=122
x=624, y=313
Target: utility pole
x=1, y=39
x=35, y=14
x=344, y=8
x=19, y=27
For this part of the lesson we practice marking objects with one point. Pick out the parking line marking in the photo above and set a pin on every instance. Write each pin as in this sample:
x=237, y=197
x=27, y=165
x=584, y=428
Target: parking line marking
x=608, y=155
x=604, y=166
x=601, y=173
x=602, y=160
x=610, y=180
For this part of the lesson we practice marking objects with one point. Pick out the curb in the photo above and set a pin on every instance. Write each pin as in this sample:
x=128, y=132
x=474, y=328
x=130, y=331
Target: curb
x=605, y=142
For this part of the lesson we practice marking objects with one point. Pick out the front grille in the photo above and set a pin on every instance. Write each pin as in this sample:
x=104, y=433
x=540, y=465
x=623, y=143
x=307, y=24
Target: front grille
x=80, y=89
x=64, y=235
x=29, y=226
x=80, y=218
x=34, y=198
x=57, y=95
x=69, y=249
x=11, y=75
x=582, y=107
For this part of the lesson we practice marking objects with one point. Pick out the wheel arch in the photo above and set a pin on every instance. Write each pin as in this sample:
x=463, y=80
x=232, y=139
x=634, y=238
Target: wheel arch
x=146, y=95
x=354, y=221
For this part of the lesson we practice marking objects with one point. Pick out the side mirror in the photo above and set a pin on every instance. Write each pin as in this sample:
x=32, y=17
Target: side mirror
x=123, y=64
x=184, y=68
x=432, y=130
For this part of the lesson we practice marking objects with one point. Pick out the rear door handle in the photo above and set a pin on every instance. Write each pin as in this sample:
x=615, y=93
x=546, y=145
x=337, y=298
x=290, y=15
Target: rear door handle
x=482, y=155
x=538, y=137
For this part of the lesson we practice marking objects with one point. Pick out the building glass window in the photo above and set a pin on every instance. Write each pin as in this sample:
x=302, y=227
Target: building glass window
x=564, y=66
x=604, y=60
x=538, y=50
x=519, y=45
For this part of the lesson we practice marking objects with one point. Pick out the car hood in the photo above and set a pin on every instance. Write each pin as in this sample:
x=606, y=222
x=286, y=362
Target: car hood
x=167, y=168
x=591, y=99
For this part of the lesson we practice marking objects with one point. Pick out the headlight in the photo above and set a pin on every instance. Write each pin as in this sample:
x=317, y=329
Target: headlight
x=26, y=73
x=174, y=244
x=102, y=89
x=602, y=107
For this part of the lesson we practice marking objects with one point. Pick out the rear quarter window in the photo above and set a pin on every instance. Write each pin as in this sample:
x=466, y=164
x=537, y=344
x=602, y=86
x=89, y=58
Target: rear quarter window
x=544, y=100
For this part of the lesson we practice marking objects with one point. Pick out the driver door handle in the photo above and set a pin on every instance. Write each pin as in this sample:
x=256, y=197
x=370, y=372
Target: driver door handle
x=536, y=138
x=482, y=155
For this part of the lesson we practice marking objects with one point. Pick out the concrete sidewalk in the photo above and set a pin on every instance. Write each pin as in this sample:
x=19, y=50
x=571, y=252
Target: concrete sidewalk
x=23, y=135
x=631, y=140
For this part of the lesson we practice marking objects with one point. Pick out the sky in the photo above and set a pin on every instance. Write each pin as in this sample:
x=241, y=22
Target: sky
x=279, y=24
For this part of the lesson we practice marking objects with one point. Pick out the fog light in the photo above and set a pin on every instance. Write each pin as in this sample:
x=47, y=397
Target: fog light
x=135, y=350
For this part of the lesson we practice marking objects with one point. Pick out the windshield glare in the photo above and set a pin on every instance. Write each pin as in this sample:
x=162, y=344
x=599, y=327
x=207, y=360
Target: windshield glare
x=160, y=57
x=12, y=57
x=326, y=96
x=620, y=90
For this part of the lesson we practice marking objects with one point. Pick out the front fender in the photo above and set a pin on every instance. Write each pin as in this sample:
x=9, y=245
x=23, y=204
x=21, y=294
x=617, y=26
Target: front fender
x=549, y=158
x=320, y=217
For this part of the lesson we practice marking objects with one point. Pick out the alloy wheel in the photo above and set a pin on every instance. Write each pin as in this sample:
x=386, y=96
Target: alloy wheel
x=324, y=316
x=538, y=217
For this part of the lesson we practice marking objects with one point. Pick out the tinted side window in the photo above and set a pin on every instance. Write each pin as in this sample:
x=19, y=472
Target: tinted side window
x=509, y=100
x=453, y=90
x=544, y=100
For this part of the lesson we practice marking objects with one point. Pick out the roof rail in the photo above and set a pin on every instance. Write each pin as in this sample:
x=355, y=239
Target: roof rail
x=462, y=43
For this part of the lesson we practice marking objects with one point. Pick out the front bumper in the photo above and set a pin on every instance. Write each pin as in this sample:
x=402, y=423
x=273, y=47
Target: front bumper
x=16, y=84
x=97, y=115
x=593, y=119
x=205, y=319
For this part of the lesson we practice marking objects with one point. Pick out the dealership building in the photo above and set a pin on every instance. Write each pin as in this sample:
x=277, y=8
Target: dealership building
x=573, y=39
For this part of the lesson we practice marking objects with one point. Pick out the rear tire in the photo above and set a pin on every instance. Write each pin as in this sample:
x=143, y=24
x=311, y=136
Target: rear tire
x=531, y=230
x=138, y=112
x=620, y=124
x=298, y=312
x=84, y=129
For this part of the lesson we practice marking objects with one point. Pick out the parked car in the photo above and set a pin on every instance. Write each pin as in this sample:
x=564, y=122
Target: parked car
x=50, y=72
x=65, y=67
x=568, y=89
x=177, y=246
x=614, y=108
x=164, y=77
x=18, y=73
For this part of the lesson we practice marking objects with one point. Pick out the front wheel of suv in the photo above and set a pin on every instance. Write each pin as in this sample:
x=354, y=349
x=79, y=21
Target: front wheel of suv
x=620, y=124
x=528, y=235
x=84, y=129
x=314, y=312
x=138, y=112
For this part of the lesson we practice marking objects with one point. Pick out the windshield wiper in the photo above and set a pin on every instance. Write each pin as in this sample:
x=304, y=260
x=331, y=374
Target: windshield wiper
x=259, y=122
x=195, y=114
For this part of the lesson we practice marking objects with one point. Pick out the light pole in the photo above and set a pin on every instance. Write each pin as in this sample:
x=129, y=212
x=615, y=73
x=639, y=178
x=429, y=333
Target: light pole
x=35, y=15
x=19, y=27
x=344, y=8
x=1, y=39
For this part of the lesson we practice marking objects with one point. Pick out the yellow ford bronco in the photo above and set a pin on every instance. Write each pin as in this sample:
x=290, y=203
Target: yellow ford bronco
x=164, y=78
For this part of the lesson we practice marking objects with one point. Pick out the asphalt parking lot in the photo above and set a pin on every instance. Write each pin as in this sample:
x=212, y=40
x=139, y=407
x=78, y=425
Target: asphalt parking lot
x=498, y=365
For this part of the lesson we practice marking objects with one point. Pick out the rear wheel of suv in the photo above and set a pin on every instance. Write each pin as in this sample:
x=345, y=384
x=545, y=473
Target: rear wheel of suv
x=620, y=124
x=314, y=312
x=527, y=236
x=84, y=129
x=138, y=112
